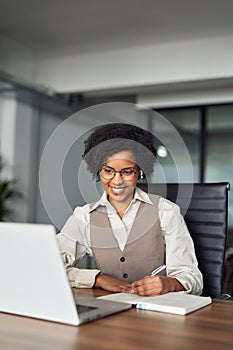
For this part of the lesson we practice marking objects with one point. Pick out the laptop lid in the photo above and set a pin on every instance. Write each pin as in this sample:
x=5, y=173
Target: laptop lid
x=33, y=280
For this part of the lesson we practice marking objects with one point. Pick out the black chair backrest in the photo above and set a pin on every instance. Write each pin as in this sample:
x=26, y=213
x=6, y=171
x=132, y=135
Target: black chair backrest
x=206, y=218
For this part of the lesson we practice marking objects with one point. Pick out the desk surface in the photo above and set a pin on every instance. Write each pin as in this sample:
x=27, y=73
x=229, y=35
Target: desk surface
x=208, y=328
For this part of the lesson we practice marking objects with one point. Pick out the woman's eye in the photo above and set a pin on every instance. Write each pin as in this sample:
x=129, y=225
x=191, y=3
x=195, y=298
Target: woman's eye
x=108, y=171
x=128, y=172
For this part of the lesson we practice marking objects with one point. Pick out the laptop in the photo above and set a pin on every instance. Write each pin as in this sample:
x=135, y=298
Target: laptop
x=34, y=282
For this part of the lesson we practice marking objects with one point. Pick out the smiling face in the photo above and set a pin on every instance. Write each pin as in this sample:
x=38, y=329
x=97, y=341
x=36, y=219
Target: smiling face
x=120, y=190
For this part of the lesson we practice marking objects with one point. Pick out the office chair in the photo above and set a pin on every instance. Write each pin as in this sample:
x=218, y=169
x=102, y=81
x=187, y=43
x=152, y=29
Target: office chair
x=205, y=214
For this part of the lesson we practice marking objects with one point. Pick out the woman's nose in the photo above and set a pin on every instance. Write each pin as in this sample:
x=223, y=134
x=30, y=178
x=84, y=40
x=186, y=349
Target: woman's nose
x=117, y=178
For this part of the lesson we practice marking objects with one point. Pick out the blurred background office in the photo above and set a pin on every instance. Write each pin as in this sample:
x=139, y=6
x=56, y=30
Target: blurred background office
x=60, y=56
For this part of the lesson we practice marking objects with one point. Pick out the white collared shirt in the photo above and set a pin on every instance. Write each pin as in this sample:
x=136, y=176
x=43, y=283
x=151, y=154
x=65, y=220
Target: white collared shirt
x=74, y=241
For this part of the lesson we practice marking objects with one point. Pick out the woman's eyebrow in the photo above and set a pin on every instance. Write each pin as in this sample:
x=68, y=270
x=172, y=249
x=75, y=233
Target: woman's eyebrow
x=129, y=167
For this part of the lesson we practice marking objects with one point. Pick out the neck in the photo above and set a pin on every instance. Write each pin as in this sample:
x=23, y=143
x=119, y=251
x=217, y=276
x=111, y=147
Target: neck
x=121, y=212
x=121, y=207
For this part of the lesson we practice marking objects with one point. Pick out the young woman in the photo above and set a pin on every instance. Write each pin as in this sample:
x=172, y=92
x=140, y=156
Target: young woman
x=128, y=232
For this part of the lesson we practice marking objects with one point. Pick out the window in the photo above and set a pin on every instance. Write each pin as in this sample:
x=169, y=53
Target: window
x=207, y=133
x=187, y=124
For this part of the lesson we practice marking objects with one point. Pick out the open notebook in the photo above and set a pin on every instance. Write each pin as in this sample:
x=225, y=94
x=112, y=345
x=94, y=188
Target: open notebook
x=34, y=281
x=179, y=303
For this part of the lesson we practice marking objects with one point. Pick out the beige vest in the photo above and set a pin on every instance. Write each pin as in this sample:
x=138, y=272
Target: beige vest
x=143, y=252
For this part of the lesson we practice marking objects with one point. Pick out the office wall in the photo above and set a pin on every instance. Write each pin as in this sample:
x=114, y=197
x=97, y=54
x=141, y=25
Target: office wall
x=217, y=91
x=19, y=137
x=177, y=61
x=22, y=139
x=7, y=133
x=138, y=68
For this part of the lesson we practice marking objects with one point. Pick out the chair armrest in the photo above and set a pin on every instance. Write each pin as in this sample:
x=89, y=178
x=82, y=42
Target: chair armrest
x=225, y=297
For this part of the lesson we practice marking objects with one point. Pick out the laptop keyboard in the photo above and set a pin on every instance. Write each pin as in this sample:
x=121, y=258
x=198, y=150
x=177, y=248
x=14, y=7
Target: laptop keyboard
x=84, y=308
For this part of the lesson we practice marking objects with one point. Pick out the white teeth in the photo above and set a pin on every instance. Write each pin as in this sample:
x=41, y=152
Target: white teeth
x=117, y=190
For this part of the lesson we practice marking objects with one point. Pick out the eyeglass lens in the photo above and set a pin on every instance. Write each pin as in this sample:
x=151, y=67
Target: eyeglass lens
x=109, y=173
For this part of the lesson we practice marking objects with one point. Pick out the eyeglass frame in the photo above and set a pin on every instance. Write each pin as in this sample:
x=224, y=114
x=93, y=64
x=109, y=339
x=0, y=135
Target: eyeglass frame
x=120, y=172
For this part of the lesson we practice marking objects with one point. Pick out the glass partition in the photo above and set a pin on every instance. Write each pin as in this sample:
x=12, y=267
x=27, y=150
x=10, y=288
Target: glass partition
x=219, y=161
x=187, y=124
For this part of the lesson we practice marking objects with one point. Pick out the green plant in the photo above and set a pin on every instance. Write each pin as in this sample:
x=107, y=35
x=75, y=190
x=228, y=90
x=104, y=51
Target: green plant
x=7, y=193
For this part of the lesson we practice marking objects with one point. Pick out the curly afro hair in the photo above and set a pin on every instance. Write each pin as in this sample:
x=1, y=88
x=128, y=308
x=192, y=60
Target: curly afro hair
x=113, y=138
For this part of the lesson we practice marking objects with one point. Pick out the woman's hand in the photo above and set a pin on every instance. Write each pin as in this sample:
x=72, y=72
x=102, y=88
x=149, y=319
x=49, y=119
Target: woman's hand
x=112, y=284
x=156, y=285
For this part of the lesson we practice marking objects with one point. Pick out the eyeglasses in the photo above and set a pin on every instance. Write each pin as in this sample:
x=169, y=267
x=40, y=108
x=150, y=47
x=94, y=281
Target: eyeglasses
x=128, y=174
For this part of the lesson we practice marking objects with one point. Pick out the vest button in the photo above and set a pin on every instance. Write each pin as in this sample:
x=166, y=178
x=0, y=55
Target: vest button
x=125, y=275
x=122, y=259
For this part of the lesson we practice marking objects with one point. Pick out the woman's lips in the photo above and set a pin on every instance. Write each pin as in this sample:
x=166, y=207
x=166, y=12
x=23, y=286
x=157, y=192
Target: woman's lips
x=118, y=190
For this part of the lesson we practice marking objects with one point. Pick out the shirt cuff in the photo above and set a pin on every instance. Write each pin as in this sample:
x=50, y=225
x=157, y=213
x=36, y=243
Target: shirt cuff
x=191, y=285
x=82, y=278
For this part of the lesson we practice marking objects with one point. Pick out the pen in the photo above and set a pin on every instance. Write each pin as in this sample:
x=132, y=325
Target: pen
x=158, y=270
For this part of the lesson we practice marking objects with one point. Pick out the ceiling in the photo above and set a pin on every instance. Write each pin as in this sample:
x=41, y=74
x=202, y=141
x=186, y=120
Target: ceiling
x=92, y=24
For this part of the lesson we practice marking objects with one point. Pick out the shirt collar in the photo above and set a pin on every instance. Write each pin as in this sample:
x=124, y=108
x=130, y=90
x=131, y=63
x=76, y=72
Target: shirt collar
x=103, y=201
x=142, y=196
